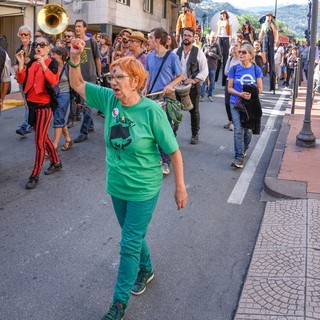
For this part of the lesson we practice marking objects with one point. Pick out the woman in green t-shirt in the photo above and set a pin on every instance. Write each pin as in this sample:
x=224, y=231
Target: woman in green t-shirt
x=134, y=127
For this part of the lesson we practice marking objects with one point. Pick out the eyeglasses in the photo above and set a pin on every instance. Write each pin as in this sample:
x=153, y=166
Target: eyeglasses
x=118, y=77
x=41, y=44
x=24, y=34
x=243, y=51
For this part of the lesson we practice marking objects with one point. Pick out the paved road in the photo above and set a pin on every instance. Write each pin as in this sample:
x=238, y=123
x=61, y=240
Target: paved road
x=59, y=243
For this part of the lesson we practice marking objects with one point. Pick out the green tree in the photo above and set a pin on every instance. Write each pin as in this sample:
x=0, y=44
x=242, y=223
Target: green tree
x=254, y=20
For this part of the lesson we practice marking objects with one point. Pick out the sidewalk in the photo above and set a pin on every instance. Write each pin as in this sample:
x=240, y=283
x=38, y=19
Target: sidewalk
x=293, y=171
x=14, y=99
x=283, y=280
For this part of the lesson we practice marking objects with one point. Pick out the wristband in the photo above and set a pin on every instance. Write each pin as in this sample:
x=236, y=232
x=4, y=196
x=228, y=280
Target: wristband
x=73, y=65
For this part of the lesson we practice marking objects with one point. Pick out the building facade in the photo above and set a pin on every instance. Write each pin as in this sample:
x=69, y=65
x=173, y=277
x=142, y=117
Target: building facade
x=109, y=16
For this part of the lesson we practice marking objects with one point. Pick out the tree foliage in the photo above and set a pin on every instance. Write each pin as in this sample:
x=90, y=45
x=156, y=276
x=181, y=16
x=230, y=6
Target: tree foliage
x=254, y=20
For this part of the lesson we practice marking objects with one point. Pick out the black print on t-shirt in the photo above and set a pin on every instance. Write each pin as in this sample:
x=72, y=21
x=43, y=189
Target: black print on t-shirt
x=120, y=136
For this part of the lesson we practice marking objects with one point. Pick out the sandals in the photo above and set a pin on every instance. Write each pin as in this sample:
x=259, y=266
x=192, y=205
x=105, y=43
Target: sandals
x=67, y=145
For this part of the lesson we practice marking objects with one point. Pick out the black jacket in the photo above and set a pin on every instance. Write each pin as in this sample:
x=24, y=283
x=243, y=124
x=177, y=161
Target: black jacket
x=251, y=118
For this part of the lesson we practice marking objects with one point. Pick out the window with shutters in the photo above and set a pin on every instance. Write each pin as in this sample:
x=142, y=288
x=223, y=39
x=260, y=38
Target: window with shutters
x=148, y=6
x=126, y=2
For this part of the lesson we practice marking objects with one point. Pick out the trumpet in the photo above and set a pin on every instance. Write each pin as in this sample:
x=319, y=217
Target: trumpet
x=52, y=19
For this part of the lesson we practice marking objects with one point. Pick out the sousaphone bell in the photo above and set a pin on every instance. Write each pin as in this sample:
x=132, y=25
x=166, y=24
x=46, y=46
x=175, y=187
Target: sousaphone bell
x=52, y=19
x=183, y=91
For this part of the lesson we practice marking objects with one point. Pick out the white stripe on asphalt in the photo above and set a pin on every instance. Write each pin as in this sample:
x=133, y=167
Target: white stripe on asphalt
x=240, y=189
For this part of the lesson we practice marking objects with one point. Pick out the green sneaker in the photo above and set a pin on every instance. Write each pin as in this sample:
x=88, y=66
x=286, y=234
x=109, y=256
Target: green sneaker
x=116, y=312
x=140, y=285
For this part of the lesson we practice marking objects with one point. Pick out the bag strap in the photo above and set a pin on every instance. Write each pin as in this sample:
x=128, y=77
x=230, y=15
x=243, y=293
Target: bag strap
x=63, y=68
x=163, y=61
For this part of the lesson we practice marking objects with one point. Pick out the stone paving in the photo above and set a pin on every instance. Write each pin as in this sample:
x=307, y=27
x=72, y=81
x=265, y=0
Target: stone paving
x=283, y=279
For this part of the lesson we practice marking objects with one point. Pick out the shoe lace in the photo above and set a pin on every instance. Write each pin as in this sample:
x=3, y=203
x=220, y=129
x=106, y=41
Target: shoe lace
x=141, y=278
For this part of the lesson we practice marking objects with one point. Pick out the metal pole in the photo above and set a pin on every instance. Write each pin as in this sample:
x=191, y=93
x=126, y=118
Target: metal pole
x=309, y=22
x=35, y=16
x=306, y=138
x=275, y=8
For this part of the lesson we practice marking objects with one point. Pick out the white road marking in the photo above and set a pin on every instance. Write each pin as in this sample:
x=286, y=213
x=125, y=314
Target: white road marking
x=240, y=189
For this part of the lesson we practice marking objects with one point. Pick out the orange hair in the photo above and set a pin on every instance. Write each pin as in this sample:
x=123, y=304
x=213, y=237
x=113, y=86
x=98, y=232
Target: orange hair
x=133, y=67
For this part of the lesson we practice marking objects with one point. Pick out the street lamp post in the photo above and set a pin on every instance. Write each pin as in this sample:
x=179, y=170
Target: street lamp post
x=309, y=22
x=306, y=138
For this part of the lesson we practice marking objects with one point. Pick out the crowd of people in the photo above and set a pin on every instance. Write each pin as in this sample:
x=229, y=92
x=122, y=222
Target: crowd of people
x=124, y=80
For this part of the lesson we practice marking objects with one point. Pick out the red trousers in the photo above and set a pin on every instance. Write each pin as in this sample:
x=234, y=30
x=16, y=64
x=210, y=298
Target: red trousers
x=42, y=140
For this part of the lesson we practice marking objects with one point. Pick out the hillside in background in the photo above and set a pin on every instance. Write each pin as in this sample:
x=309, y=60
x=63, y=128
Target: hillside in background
x=295, y=16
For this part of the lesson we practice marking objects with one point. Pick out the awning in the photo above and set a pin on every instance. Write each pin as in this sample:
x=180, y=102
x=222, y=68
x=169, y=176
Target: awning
x=284, y=39
x=6, y=11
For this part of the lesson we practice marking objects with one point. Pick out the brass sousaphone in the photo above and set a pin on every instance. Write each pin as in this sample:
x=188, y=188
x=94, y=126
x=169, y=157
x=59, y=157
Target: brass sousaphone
x=52, y=19
x=183, y=91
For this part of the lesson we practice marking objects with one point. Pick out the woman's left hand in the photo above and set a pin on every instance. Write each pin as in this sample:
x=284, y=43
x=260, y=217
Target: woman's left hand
x=40, y=60
x=181, y=197
x=246, y=95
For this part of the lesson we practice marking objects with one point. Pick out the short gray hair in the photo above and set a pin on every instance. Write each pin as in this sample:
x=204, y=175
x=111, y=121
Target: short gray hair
x=24, y=28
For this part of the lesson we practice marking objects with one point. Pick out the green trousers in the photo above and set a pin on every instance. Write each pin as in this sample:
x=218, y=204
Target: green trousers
x=134, y=218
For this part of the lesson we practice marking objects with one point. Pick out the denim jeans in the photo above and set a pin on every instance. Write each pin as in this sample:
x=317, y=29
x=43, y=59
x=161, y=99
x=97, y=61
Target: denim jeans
x=61, y=113
x=212, y=75
x=134, y=218
x=242, y=136
x=87, y=121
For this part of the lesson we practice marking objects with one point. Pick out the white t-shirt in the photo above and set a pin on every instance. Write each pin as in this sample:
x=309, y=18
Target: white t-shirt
x=223, y=28
x=278, y=54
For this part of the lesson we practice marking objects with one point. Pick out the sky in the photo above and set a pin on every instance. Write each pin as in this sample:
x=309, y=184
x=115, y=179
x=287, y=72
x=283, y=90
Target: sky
x=249, y=3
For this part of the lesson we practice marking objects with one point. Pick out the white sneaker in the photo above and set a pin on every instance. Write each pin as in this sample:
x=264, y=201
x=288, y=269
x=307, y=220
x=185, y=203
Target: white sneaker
x=210, y=99
x=165, y=168
x=201, y=99
x=277, y=87
x=231, y=127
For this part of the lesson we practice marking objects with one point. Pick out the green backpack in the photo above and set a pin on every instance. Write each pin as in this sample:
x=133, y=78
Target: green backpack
x=174, y=110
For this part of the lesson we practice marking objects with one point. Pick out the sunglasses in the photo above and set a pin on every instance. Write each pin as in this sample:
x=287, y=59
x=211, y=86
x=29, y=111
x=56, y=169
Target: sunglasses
x=243, y=51
x=24, y=34
x=67, y=36
x=41, y=44
x=118, y=77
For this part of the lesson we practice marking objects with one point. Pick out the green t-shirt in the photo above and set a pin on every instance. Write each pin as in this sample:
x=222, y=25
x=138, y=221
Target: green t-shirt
x=132, y=135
